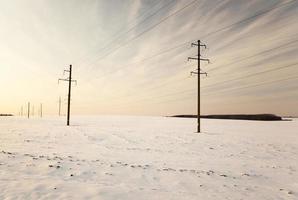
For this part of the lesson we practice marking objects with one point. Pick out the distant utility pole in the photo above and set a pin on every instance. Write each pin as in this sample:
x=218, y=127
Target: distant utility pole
x=60, y=106
x=198, y=72
x=28, y=110
x=69, y=79
x=41, y=110
x=21, y=110
x=32, y=110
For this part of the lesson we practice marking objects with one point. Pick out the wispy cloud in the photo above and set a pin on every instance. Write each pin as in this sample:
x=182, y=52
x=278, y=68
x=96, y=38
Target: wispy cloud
x=40, y=38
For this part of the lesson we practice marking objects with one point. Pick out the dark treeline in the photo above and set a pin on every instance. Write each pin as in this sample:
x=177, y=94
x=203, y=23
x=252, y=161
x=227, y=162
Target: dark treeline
x=6, y=114
x=261, y=117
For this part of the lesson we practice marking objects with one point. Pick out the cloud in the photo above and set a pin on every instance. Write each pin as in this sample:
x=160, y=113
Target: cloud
x=40, y=38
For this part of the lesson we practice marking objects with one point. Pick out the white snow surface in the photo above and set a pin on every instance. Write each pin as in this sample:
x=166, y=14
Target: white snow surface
x=126, y=157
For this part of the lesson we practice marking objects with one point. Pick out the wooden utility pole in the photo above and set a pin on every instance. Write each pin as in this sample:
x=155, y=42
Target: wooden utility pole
x=69, y=79
x=69, y=94
x=28, y=110
x=198, y=72
x=59, y=106
x=41, y=110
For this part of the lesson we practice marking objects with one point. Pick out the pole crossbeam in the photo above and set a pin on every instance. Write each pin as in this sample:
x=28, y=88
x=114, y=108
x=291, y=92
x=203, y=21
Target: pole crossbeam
x=202, y=59
x=62, y=79
x=192, y=72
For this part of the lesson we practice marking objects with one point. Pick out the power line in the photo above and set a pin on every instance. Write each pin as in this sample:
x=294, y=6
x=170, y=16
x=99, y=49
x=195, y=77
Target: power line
x=264, y=13
x=150, y=28
x=219, y=30
x=132, y=28
x=158, y=86
x=251, y=86
x=247, y=19
x=143, y=21
x=257, y=85
x=255, y=55
x=187, y=98
x=234, y=62
x=231, y=63
x=164, y=95
x=251, y=75
x=119, y=32
x=239, y=78
x=212, y=32
x=148, y=58
x=189, y=91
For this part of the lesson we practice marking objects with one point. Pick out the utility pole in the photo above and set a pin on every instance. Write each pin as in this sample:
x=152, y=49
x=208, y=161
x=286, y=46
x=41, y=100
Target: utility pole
x=198, y=72
x=69, y=80
x=22, y=111
x=60, y=106
x=41, y=110
x=28, y=110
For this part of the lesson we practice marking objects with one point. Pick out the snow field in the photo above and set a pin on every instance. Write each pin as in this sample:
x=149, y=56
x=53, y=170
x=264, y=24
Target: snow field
x=126, y=157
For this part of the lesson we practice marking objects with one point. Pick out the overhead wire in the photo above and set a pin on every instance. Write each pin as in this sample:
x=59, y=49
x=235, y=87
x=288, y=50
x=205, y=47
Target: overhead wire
x=254, y=85
x=111, y=42
x=227, y=27
x=251, y=75
x=149, y=29
x=255, y=55
x=263, y=12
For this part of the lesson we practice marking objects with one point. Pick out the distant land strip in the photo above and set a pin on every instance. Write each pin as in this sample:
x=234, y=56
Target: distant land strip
x=260, y=117
x=6, y=114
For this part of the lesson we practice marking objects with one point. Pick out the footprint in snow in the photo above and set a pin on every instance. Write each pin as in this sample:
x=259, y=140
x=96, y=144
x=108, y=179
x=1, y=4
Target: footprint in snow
x=210, y=172
x=287, y=191
x=168, y=169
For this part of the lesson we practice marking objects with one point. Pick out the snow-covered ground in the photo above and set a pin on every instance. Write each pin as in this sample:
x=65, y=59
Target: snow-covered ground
x=116, y=157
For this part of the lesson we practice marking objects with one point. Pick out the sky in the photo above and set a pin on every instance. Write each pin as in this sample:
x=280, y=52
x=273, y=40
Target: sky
x=130, y=56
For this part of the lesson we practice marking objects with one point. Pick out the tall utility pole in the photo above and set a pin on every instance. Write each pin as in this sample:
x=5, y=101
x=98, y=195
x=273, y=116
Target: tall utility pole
x=198, y=72
x=69, y=79
x=22, y=111
x=28, y=110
